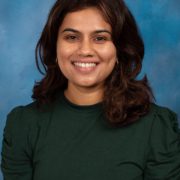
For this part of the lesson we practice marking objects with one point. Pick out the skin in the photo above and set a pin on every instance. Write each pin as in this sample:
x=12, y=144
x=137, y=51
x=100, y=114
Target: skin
x=85, y=37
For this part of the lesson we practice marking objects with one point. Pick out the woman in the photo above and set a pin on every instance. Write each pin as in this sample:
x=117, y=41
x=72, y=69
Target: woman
x=91, y=118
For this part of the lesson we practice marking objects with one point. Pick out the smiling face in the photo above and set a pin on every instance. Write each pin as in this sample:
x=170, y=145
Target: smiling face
x=85, y=51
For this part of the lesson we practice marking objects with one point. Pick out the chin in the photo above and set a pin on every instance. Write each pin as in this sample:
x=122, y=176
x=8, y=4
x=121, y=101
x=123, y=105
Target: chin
x=89, y=84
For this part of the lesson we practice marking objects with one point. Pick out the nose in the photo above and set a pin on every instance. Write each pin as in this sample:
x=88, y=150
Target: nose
x=85, y=48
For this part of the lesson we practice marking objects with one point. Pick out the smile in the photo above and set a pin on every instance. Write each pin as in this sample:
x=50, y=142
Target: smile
x=85, y=65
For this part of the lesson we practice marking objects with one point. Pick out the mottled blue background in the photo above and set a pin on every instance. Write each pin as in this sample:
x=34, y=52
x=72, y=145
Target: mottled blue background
x=21, y=23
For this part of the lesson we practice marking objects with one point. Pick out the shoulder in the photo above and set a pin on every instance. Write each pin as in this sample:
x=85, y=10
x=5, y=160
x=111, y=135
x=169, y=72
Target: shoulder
x=160, y=114
x=164, y=129
x=159, y=123
x=162, y=155
x=23, y=126
x=18, y=112
x=162, y=111
x=164, y=116
x=30, y=110
x=26, y=117
x=163, y=152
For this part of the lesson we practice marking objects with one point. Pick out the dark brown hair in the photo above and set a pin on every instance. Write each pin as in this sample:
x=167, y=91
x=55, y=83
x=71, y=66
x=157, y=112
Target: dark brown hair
x=126, y=98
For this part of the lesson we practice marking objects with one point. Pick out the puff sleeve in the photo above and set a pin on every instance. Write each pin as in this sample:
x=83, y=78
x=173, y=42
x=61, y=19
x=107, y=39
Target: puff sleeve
x=163, y=162
x=16, y=155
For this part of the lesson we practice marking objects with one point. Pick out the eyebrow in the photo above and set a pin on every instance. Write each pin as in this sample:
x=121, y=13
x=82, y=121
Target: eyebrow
x=97, y=31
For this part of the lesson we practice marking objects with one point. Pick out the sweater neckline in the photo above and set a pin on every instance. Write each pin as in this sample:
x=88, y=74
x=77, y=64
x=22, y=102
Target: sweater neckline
x=82, y=108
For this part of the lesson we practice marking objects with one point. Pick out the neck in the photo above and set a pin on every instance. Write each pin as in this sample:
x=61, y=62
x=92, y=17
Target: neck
x=84, y=96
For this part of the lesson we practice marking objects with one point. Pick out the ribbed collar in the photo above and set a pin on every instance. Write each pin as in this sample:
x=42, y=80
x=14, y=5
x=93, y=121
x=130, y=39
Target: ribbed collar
x=82, y=108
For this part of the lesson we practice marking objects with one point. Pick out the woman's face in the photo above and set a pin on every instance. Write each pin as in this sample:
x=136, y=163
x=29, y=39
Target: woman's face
x=85, y=51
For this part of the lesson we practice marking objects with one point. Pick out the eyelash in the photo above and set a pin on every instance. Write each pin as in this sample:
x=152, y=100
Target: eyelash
x=73, y=38
x=70, y=37
x=102, y=38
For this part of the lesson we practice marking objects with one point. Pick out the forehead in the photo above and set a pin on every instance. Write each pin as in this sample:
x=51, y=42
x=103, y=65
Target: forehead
x=89, y=19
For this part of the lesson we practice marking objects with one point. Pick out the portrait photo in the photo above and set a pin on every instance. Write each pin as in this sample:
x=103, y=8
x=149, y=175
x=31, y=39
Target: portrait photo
x=89, y=90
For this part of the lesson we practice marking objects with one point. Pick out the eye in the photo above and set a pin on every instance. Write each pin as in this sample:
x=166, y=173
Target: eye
x=100, y=39
x=71, y=38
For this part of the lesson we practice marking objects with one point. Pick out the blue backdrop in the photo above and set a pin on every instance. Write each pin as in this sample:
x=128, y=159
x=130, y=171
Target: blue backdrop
x=21, y=23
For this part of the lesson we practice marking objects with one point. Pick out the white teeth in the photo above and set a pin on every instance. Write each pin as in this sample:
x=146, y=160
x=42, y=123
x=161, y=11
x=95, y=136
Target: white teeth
x=84, y=64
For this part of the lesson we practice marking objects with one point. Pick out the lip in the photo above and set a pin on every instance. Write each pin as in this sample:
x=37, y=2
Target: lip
x=85, y=61
x=85, y=70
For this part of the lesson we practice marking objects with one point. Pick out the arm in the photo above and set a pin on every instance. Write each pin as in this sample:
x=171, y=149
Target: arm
x=163, y=162
x=16, y=155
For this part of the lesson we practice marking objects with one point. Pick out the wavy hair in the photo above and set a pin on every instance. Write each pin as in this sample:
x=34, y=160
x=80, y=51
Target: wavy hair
x=126, y=98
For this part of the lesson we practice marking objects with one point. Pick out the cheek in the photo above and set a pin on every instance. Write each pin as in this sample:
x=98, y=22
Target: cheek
x=64, y=54
x=64, y=50
x=108, y=54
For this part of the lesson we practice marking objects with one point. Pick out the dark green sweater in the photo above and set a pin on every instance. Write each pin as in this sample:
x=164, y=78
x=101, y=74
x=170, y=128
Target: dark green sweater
x=71, y=142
